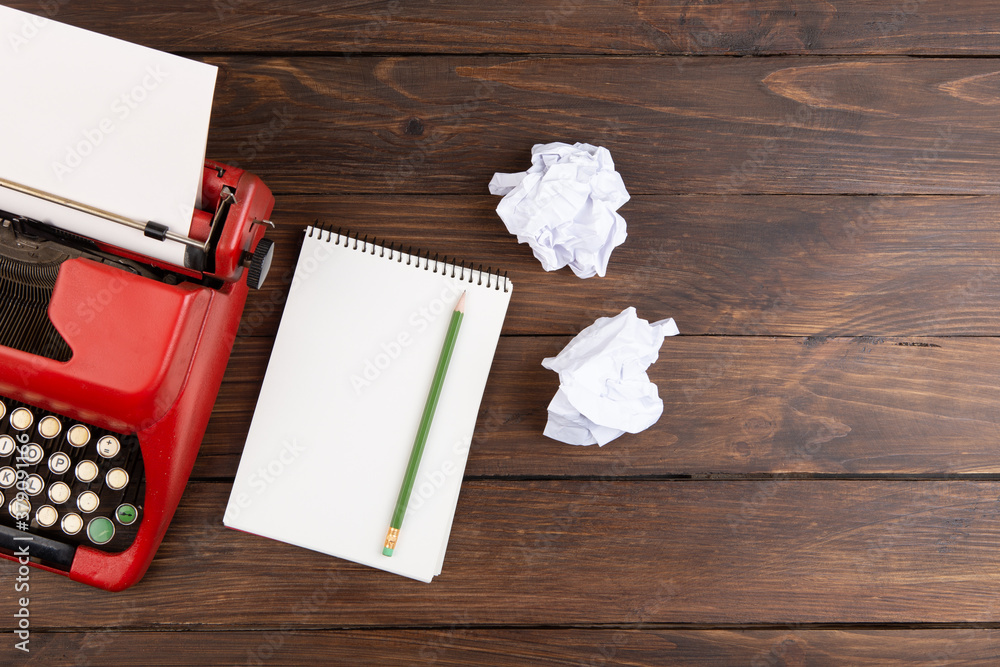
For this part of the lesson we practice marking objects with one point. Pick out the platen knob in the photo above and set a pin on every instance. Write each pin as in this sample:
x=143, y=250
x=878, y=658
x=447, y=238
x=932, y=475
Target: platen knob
x=260, y=263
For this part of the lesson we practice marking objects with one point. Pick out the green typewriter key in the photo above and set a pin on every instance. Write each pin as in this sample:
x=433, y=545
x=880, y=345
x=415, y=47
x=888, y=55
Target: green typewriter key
x=126, y=514
x=100, y=530
x=6, y=445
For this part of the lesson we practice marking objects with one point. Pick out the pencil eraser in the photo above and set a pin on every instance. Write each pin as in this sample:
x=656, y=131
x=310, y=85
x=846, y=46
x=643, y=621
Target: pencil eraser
x=386, y=551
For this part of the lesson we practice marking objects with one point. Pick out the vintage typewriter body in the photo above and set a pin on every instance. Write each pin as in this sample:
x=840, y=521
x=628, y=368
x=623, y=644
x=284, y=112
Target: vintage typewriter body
x=109, y=368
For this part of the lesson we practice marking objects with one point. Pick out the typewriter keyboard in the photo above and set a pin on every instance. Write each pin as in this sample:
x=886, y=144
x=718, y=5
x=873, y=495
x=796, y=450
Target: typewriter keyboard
x=67, y=481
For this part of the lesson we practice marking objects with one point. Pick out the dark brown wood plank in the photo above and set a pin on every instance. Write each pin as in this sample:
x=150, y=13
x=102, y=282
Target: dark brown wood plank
x=768, y=265
x=845, y=406
x=586, y=552
x=548, y=26
x=460, y=645
x=764, y=125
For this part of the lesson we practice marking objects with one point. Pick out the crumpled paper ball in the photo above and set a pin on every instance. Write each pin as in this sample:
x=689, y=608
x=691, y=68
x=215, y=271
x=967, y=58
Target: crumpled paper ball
x=603, y=387
x=565, y=206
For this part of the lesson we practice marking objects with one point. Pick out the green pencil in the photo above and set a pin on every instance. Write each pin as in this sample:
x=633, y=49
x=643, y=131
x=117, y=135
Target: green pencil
x=425, y=426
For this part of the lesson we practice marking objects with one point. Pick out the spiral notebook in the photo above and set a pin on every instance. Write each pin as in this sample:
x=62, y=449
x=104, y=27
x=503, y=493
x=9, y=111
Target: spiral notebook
x=343, y=394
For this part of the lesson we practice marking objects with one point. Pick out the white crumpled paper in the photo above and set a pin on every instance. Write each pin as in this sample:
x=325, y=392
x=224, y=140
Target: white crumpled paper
x=565, y=206
x=603, y=387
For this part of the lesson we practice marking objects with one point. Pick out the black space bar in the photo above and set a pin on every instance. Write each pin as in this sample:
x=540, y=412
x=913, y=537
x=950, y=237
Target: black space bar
x=50, y=552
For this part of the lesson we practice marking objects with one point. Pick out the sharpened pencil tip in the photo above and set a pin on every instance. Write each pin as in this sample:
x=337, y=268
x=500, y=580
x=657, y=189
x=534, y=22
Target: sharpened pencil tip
x=460, y=306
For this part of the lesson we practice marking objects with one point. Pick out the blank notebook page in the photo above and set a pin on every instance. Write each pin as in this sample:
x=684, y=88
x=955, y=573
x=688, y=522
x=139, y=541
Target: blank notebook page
x=342, y=398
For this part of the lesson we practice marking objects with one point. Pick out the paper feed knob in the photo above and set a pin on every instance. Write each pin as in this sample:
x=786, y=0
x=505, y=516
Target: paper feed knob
x=260, y=263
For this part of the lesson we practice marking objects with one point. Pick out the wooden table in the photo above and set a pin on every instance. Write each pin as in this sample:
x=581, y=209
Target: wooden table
x=820, y=215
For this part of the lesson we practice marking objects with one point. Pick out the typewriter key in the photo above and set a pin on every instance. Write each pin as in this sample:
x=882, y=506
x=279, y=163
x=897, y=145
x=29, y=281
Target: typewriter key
x=7, y=477
x=33, y=485
x=116, y=479
x=3, y=411
x=49, y=427
x=100, y=530
x=88, y=501
x=6, y=445
x=46, y=516
x=125, y=514
x=19, y=508
x=59, y=493
x=71, y=524
x=86, y=471
x=59, y=463
x=31, y=453
x=21, y=419
x=108, y=446
x=78, y=435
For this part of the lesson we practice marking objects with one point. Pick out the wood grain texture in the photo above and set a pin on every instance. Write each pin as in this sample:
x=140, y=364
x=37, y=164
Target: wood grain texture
x=768, y=265
x=735, y=27
x=762, y=125
x=459, y=645
x=583, y=552
x=735, y=406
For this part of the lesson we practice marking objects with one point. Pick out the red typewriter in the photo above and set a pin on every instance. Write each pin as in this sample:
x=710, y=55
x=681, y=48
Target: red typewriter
x=110, y=364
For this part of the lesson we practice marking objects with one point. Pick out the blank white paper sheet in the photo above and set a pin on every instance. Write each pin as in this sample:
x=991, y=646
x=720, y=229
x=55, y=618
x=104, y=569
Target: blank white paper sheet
x=110, y=124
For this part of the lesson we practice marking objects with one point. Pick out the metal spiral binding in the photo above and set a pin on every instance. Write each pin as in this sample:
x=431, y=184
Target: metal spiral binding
x=355, y=242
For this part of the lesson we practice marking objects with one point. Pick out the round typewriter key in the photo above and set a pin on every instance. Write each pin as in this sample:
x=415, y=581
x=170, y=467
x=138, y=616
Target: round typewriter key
x=126, y=514
x=59, y=493
x=71, y=524
x=100, y=530
x=88, y=501
x=46, y=516
x=86, y=471
x=3, y=409
x=32, y=453
x=19, y=508
x=78, y=435
x=59, y=463
x=116, y=479
x=49, y=426
x=33, y=485
x=7, y=477
x=21, y=419
x=108, y=446
x=6, y=445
